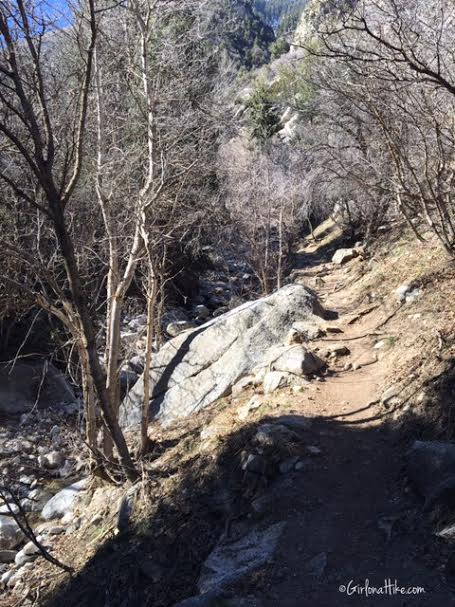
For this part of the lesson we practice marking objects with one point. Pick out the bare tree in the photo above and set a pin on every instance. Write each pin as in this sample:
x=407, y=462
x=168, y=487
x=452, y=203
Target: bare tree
x=30, y=144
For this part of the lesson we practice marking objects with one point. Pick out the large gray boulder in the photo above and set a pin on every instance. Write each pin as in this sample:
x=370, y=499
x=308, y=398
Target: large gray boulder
x=200, y=366
x=24, y=386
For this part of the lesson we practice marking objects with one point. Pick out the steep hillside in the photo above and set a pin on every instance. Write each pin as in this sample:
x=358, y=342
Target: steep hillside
x=243, y=34
x=282, y=15
x=289, y=473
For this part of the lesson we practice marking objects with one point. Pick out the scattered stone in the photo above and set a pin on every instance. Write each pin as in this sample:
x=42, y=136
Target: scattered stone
x=36, y=499
x=229, y=562
x=288, y=465
x=337, y=350
x=202, y=311
x=6, y=577
x=314, y=450
x=251, y=405
x=52, y=460
x=139, y=322
x=10, y=533
x=251, y=462
x=274, y=380
x=31, y=548
x=56, y=530
x=342, y=256
x=179, y=326
x=298, y=361
x=242, y=385
x=7, y=556
x=408, y=292
x=9, y=508
x=64, y=501
x=21, y=558
x=275, y=436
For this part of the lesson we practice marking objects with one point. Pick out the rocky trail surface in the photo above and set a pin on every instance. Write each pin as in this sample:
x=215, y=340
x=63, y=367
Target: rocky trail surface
x=354, y=531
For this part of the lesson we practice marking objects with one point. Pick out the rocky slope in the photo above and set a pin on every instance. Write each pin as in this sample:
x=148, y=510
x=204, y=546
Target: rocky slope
x=268, y=498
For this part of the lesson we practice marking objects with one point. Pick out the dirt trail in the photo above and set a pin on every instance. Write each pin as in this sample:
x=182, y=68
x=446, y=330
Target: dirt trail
x=351, y=518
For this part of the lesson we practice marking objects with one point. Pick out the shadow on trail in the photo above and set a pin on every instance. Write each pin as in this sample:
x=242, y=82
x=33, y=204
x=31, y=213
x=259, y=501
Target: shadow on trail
x=324, y=253
x=347, y=502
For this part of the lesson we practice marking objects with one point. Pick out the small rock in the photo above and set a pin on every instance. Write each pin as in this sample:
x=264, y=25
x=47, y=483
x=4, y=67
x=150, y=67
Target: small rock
x=179, y=326
x=7, y=556
x=139, y=322
x=56, y=530
x=63, y=502
x=275, y=380
x=288, y=465
x=10, y=533
x=296, y=422
x=342, y=256
x=298, y=389
x=8, y=508
x=21, y=558
x=251, y=405
x=314, y=450
x=202, y=311
x=408, y=292
x=31, y=548
x=52, y=460
x=6, y=577
x=275, y=436
x=252, y=462
x=298, y=361
x=338, y=350
x=241, y=385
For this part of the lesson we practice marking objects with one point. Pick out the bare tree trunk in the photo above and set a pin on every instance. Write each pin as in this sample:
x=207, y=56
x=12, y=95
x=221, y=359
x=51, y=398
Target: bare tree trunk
x=89, y=340
x=152, y=293
x=280, y=250
x=89, y=402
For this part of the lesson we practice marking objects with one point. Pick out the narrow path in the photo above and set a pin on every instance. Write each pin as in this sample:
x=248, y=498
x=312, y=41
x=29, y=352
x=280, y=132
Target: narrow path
x=351, y=519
